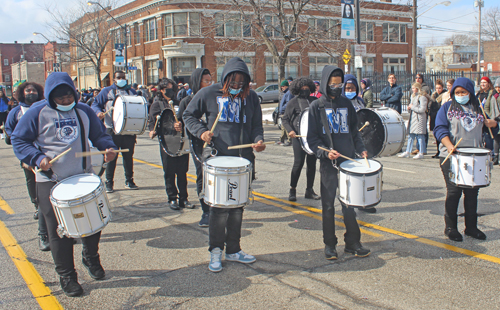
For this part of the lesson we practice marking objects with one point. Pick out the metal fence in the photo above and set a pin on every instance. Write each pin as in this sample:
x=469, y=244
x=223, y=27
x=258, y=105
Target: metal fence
x=405, y=79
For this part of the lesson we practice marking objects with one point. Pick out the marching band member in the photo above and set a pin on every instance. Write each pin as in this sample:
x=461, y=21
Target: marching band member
x=54, y=125
x=461, y=118
x=102, y=103
x=342, y=137
x=240, y=123
x=172, y=166
x=351, y=92
x=301, y=88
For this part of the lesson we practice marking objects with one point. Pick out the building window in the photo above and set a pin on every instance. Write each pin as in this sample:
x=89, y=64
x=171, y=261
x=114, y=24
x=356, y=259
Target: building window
x=272, y=68
x=152, y=71
x=366, y=30
x=150, y=31
x=431, y=58
x=89, y=71
x=5, y=62
x=316, y=65
x=105, y=62
x=7, y=78
x=137, y=34
x=325, y=28
x=368, y=64
x=221, y=62
x=182, y=25
x=394, y=64
x=394, y=32
x=232, y=25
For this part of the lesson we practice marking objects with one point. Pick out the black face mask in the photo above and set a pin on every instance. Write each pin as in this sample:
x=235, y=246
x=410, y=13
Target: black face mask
x=169, y=92
x=304, y=93
x=30, y=98
x=334, y=91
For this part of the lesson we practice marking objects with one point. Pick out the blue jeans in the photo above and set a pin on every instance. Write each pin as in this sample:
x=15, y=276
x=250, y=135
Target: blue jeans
x=420, y=142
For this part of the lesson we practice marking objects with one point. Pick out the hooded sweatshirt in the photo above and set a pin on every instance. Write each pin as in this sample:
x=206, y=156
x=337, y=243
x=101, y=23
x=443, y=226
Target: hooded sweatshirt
x=342, y=121
x=14, y=116
x=367, y=93
x=460, y=121
x=209, y=101
x=495, y=104
x=196, y=77
x=357, y=102
x=55, y=131
x=106, y=98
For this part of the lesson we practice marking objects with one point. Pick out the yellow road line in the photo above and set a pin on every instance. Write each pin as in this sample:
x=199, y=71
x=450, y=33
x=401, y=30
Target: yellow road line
x=34, y=281
x=4, y=206
x=270, y=200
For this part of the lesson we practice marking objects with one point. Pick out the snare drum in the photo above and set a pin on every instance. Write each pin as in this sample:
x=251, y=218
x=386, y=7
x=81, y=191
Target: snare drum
x=173, y=142
x=359, y=185
x=98, y=163
x=227, y=181
x=303, y=127
x=471, y=167
x=80, y=205
x=130, y=115
x=386, y=133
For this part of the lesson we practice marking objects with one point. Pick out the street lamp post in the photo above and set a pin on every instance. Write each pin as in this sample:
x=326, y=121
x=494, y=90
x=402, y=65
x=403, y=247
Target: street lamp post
x=124, y=28
x=414, y=37
x=479, y=4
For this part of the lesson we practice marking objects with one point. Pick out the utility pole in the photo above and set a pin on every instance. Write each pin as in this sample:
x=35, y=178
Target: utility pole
x=358, y=39
x=414, y=39
x=479, y=4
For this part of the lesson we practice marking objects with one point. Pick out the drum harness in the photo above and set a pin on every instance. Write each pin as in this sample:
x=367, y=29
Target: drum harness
x=326, y=127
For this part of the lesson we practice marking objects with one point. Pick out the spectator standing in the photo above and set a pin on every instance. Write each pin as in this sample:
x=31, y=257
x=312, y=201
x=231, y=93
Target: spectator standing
x=181, y=94
x=188, y=90
x=392, y=94
x=4, y=110
x=484, y=96
x=287, y=96
x=367, y=92
x=316, y=93
x=449, y=86
x=434, y=105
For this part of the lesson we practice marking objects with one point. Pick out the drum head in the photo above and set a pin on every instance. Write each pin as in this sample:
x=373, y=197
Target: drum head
x=118, y=114
x=473, y=151
x=360, y=168
x=74, y=187
x=373, y=135
x=170, y=139
x=227, y=162
x=303, y=127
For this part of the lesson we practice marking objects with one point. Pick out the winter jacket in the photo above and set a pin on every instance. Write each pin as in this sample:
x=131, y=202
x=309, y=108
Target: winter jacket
x=392, y=94
x=418, y=117
x=284, y=100
x=294, y=108
x=4, y=104
x=368, y=94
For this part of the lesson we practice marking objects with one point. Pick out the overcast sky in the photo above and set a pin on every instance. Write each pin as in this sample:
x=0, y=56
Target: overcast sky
x=20, y=18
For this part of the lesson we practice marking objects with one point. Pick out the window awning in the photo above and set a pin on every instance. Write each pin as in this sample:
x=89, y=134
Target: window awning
x=74, y=77
x=104, y=75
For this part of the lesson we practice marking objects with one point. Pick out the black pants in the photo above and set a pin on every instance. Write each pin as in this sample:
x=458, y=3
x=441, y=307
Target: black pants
x=299, y=156
x=3, y=118
x=62, y=248
x=225, y=229
x=172, y=167
x=199, y=183
x=31, y=184
x=396, y=107
x=453, y=194
x=122, y=142
x=329, y=183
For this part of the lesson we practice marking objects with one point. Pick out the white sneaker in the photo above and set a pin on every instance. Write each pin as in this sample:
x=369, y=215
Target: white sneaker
x=418, y=156
x=215, y=264
x=404, y=155
x=2, y=136
x=241, y=257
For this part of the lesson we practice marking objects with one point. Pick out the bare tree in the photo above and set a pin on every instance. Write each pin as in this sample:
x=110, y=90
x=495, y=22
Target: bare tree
x=461, y=39
x=491, y=24
x=86, y=29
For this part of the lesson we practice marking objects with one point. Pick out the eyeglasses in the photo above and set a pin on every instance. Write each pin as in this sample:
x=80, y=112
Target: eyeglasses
x=207, y=82
x=236, y=84
x=336, y=85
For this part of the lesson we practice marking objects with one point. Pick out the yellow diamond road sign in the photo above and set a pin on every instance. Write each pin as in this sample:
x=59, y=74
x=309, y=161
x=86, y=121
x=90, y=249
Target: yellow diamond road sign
x=346, y=57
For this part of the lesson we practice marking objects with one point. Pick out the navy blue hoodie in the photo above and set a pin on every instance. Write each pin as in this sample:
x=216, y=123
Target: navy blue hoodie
x=54, y=131
x=357, y=101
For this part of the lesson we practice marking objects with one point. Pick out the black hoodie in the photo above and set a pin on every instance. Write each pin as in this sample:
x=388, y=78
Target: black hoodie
x=209, y=100
x=195, y=81
x=342, y=117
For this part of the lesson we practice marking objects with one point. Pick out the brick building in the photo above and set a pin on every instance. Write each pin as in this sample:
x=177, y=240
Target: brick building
x=491, y=56
x=172, y=38
x=56, y=58
x=450, y=57
x=15, y=52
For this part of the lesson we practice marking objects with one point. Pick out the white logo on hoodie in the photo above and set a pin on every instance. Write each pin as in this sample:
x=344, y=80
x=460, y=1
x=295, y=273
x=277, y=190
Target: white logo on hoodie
x=230, y=109
x=66, y=130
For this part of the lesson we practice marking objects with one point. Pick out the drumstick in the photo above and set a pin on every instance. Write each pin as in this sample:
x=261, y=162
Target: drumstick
x=110, y=109
x=213, y=126
x=367, y=163
x=484, y=114
x=366, y=124
x=345, y=157
x=449, y=154
x=300, y=136
x=56, y=158
x=171, y=102
x=157, y=120
x=82, y=154
x=242, y=146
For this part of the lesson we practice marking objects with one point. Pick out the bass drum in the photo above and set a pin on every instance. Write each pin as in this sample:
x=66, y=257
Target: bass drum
x=173, y=142
x=386, y=133
x=303, y=126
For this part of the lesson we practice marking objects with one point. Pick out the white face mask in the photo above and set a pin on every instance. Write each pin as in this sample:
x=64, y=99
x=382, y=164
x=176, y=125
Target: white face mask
x=65, y=108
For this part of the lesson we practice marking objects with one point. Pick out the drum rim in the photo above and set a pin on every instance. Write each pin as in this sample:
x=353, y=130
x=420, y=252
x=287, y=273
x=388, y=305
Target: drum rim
x=469, y=186
x=485, y=151
x=362, y=207
x=84, y=198
x=161, y=140
x=205, y=163
x=307, y=149
x=362, y=174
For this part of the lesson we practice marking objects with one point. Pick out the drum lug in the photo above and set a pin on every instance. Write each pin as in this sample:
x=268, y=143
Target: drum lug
x=60, y=231
x=348, y=185
x=466, y=166
x=364, y=190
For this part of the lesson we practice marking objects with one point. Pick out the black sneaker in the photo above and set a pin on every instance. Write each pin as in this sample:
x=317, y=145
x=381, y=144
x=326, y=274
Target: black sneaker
x=186, y=204
x=475, y=233
x=43, y=243
x=310, y=194
x=292, y=196
x=131, y=185
x=174, y=205
x=369, y=210
x=93, y=265
x=330, y=252
x=109, y=187
x=357, y=250
x=453, y=234
x=70, y=286
x=204, y=219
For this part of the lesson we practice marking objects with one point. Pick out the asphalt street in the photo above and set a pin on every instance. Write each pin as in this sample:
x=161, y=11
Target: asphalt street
x=157, y=258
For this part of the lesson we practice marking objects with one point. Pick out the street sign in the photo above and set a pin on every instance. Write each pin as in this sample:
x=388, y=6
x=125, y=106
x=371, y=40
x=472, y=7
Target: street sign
x=358, y=62
x=132, y=68
x=119, y=46
x=346, y=57
x=360, y=49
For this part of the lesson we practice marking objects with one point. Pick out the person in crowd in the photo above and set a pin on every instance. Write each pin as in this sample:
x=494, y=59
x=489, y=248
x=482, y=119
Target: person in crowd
x=182, y=93
x=341, y=136
x=289, y=79
x=446, y=95
x=173, y=167
x=494, y=113
x=287, y=96
x=426, y=91
x=231, y=94
x=351, y=92
x=102, y=103
x=418, y=122
x=367, y=92
x=38, y=137
x=135, y=87
x=200, y=78
x=434, y=106
x=188, y=90
x=316, y=93
x=29, y=93
x=461, y=118
x=419, y=78
x=95, y=93
x=392, y=94
x=485, y=96
x=144, y=92
x=4, y=110
x=13, y=101
x=301, y=88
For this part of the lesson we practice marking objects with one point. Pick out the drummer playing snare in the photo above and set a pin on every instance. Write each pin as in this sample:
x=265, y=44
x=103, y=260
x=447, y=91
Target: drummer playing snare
x=55, y=125
x=341, y=136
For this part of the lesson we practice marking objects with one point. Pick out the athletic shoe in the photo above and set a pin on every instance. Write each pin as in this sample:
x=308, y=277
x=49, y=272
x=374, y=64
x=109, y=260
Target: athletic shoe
x=186, y=204
x=368, y=210
x=204, y=219
x=43, y=243
x=357, y=250
x=453, y=234
x=131, y=185
x=418, y=156
x=240, y=257
x=310, y=194
x=109, y=187
x=414, y=152
x=475, y=233
x=330, y=252
x=404, y=155
x=215, y=264
x=174, y=205
x=93, y=265
x=292, y=196
x=70, y=286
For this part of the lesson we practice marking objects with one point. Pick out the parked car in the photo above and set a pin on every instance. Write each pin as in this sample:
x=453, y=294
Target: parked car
x=268, y=93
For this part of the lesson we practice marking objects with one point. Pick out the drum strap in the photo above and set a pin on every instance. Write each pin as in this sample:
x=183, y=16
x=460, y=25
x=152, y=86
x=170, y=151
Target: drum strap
x=324, y=120
x=242, y=119
x=83, y=139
